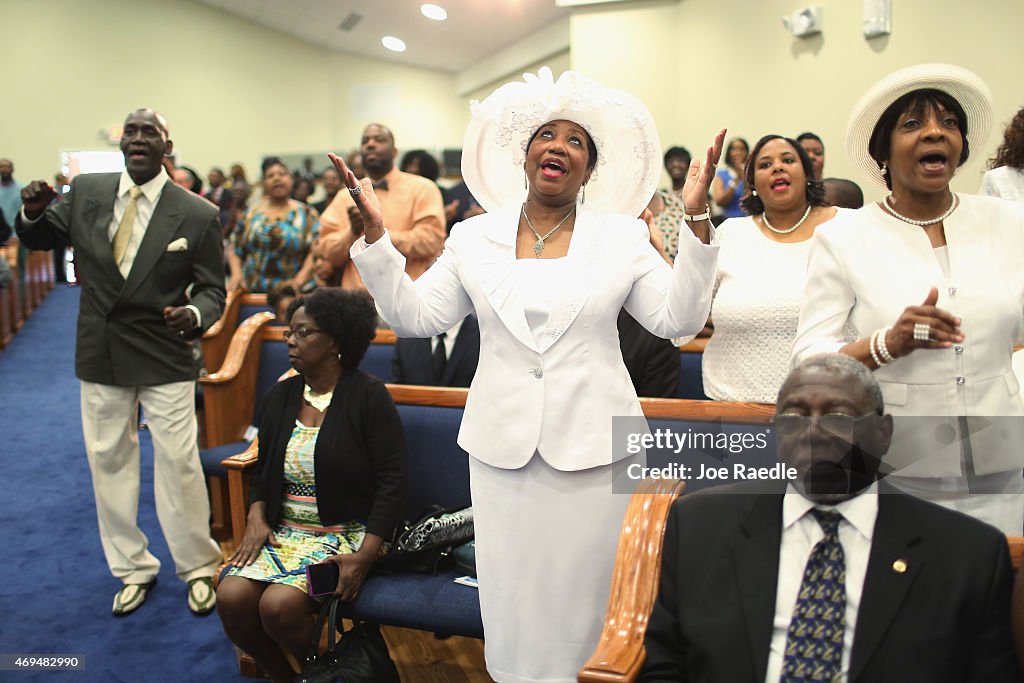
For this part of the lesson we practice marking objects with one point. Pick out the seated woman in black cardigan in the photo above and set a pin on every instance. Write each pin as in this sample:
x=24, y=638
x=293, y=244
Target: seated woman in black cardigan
x=327, y=486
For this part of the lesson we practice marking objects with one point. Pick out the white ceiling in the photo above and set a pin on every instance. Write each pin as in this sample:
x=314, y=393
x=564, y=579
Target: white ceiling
x=474, y=30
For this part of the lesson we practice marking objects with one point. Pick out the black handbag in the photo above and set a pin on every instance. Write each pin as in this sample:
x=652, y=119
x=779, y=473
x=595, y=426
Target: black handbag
x=361, y=656
x=426, y=545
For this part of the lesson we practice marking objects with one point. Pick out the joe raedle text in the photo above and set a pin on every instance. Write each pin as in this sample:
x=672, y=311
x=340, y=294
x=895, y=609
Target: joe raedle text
x=721, y=473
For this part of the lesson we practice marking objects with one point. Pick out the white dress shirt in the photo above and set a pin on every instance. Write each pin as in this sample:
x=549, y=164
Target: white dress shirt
x=151, y=191
x=449, y=340
x=800, y=533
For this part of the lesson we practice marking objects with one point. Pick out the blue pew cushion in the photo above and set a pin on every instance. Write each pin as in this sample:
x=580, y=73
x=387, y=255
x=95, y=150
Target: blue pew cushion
x=427, y=603
x=212, y=457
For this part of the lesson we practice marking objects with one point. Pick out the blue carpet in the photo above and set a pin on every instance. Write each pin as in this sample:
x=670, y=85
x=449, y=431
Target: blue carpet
x=55, y=589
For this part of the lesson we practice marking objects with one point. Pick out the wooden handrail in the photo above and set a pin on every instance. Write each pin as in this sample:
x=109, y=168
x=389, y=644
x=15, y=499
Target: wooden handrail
x=635, y=581
x=695, y=346
x=276, y=333
x=231, y=304
x=241, y=341
x=217, y=338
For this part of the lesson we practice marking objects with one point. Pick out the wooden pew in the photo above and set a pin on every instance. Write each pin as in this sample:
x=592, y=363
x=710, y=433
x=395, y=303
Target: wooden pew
x=217, y=338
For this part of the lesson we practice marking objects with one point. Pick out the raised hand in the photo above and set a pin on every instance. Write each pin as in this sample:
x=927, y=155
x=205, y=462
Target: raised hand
x=35, y=197
x=943, y=328
x=700, y=175
x=365, y=198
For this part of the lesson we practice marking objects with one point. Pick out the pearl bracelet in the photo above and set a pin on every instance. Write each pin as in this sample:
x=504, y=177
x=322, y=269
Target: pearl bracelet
x=871, y=347
x=883, y=350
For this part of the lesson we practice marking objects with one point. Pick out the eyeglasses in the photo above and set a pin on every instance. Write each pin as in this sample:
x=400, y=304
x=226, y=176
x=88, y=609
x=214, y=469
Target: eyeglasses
x=838, y=424
x=299, y=334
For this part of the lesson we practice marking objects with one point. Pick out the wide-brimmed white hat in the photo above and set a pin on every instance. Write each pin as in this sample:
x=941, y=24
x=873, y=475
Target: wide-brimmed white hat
x=962, y=85
x=628, y=150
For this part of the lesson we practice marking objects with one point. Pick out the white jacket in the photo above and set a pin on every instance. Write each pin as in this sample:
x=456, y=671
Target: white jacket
x=865, y=267
x=556, y=396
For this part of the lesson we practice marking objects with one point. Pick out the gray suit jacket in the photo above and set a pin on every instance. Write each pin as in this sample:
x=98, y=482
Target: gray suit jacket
x=122, y=339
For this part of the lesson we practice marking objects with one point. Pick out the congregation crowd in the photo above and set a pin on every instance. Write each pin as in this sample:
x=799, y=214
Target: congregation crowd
x=556, y=281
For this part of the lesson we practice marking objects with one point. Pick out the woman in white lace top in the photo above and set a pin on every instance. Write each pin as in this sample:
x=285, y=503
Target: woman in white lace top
x=760, y=278
x=1006, y=179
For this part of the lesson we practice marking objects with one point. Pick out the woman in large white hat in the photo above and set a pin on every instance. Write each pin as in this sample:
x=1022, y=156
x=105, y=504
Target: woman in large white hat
x=925, y=288
x=563, y=169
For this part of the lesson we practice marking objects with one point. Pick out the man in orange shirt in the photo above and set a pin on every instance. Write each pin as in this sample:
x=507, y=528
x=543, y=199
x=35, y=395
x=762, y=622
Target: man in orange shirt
x=413, y=212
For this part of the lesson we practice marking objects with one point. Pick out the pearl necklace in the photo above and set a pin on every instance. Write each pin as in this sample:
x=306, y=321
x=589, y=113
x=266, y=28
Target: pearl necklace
x=952, y=207
x=318, y=401
x=539, y=246
x=764, y=219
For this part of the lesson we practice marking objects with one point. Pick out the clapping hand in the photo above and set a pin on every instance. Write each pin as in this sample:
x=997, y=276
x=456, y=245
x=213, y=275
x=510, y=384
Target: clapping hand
x=365, y=198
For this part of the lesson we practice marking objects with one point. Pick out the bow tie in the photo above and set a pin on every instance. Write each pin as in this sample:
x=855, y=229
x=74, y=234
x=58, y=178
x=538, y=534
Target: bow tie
x=381, y=185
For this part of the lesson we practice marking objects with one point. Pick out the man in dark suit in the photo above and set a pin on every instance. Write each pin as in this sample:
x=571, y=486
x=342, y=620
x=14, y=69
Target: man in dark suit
x=151, y=259
x=439, y=362
x=896, y=589
x=652, y=362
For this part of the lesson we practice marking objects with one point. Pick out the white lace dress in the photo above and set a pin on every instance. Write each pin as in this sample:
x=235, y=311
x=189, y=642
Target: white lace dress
x=1004, y=182
x=755, y=310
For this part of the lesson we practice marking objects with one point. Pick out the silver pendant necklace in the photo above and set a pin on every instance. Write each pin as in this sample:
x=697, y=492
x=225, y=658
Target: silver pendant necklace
x=764, y=219
x=921, y=224
x=538, y=247
x=318, y=401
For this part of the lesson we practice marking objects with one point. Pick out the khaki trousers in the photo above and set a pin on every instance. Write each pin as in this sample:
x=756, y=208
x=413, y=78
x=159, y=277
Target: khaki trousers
x=110, y=427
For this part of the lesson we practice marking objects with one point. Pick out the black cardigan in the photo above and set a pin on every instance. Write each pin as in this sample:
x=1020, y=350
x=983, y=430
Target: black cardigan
x=359, y=457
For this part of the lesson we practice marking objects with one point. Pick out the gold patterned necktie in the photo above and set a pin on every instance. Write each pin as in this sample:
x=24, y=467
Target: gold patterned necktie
x=124, y=228
x=814, y=642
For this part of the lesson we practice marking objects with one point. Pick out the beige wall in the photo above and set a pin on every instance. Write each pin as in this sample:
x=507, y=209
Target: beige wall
x=704, y=64
x=232, y=90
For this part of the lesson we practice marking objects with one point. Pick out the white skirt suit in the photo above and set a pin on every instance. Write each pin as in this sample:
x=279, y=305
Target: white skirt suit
x=538, y=420
x=864, y=269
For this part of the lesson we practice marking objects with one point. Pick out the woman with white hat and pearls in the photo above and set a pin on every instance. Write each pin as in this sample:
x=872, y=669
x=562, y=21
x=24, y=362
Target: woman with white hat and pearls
x=563, y=169
x=761, y=267
x=925, y=288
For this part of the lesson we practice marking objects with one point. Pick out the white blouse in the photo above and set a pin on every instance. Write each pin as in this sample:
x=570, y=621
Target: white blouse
x=756, y=306
x=1004, y=182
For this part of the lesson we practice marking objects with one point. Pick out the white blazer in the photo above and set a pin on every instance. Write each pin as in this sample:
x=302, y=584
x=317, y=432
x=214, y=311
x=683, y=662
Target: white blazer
x=555, y=396
x=865, y=267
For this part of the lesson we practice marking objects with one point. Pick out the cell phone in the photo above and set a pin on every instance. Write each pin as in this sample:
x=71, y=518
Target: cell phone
x=322, y=578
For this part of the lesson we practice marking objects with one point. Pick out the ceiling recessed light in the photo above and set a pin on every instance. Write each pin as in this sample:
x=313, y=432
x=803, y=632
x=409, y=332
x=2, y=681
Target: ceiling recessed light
x=392, y=43
x=431, y=11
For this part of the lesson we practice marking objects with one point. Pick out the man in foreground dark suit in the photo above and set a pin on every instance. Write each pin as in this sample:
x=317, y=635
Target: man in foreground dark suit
x=151, y=259
x=418, y=361
x=896, y=589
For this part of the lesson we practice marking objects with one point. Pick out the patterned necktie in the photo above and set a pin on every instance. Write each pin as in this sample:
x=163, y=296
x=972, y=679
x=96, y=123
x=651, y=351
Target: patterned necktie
x=124, y=228
x=814, y=642
x=440, y=358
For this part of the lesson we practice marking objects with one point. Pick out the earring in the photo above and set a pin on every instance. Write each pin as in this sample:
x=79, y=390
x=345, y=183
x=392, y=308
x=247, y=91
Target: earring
x=583, y=199
x=753, y=192
x=526, y=185
x=885, y=167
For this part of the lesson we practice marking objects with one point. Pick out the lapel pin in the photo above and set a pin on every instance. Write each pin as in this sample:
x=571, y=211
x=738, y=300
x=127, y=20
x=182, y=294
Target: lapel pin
x=899, y=566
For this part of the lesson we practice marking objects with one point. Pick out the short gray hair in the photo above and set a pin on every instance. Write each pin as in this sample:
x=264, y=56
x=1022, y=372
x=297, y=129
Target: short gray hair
x=841, y=364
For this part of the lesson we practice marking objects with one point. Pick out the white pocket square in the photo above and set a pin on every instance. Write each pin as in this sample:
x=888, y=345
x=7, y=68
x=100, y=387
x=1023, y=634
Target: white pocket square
x=180, y=244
